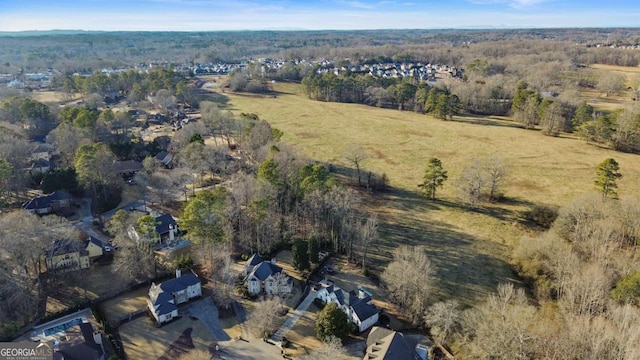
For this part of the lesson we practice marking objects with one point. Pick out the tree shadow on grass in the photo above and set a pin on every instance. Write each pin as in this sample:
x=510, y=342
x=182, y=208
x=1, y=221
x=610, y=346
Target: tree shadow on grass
x=487, y=121
x=182, y=345
x=467, y=267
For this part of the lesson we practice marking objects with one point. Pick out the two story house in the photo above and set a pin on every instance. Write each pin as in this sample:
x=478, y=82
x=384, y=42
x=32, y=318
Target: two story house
x=266, y=277
x=358, y=307
x=164, y=297
x=65, y=254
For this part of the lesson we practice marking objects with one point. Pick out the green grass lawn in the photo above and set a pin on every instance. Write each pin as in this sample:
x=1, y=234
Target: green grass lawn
x=470, y=248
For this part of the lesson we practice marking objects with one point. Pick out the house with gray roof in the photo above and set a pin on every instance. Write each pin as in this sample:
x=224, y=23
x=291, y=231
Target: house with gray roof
x=165, y=297
x=66, y=254
x=50, y=203
x=357, y=307
x=386, y=344
x=266, y=277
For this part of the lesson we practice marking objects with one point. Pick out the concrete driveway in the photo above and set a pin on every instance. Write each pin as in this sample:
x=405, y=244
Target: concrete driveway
x=248, y=350
x=207, y=312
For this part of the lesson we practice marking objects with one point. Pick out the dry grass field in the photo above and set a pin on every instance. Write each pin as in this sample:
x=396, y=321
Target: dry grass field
x=143, y=340
x=600, y=100
x=470, y=248
x=125, y=304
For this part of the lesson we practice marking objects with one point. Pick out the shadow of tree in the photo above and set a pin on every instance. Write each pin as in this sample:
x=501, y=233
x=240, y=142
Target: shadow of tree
x=182, y=345
x=487, y=120
x=467, y=267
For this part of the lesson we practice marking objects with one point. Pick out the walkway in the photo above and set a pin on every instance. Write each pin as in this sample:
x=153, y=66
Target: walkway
x=291, y=321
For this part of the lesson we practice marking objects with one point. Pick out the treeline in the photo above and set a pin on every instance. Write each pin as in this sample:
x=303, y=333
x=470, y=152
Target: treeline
x=134, y=85
x=404, y=94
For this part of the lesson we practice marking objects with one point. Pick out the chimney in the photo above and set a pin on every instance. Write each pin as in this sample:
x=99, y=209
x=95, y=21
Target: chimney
x=97, y=338
x=361, y=293
x=178, y=273
x=273, y=261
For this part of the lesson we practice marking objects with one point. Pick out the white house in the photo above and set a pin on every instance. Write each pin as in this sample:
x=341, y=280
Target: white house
x=266, y=277
x=166, y=230
x=164, y=297
x=358, y=307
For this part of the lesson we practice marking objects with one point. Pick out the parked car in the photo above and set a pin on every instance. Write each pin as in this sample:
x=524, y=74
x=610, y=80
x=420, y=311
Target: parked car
x=107, y=248
x=329, y=269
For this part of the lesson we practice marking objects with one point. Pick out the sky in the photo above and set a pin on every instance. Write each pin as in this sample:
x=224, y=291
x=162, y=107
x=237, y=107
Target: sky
x=214, y=15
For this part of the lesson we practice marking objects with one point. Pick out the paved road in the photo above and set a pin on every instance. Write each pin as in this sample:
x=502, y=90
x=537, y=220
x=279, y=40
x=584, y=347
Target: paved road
x=207, y=312
x=293, y=318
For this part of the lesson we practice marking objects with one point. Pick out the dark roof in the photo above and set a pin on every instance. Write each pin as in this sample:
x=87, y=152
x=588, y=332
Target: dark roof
x=179, y=284
x=164, y=221
x=264, y=270
x=40, y=163
x=165, y=308
x=93, y=240
x=161, y=155
x=45, y=201
x=364, y=310
x=254, y=260
x=388, y=345
x=61, y=247
x=161, y=298
x=80, y=350
x=127, y=166
x=87, y=332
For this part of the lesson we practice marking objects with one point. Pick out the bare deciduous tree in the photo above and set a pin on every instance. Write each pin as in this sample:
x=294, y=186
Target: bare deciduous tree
x=501, y=328
x=368, y=236
x=444, y=319
x=331, y=349
x=410, y=278
x=356, y=155
x=470, y=184
x=262, y=317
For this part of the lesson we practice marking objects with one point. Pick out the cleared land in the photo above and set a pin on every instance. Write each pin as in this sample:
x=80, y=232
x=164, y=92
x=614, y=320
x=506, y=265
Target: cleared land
x=470, y=248
x=600, y=100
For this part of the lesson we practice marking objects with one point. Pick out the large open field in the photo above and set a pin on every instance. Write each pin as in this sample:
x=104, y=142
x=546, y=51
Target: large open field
x=600, y=100
x=470, y=248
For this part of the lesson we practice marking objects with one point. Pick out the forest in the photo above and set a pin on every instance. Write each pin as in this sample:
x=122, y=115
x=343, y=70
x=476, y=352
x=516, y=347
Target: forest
x=238, y=185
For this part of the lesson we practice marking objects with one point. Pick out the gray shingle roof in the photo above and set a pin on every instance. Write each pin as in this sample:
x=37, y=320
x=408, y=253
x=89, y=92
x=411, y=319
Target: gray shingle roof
x=385, y=344
x=263, y=270
x=364, y=310
x=45, y=201
x=179, y=284
x=164, y=221
x=165, y=308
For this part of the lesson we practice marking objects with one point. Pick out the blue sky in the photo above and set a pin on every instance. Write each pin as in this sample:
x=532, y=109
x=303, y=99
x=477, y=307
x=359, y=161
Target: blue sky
x=206, y=15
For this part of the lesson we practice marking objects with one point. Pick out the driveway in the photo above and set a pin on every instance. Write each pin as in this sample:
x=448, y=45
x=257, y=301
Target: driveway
x=248, y=350
x=207, y=312
x=293, y=318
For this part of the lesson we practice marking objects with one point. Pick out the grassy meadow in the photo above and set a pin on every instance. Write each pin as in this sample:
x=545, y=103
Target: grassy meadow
x=599, y=100
x=471, y=249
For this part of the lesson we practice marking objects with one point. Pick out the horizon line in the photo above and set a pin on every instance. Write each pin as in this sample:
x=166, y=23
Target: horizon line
x=470, y=27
